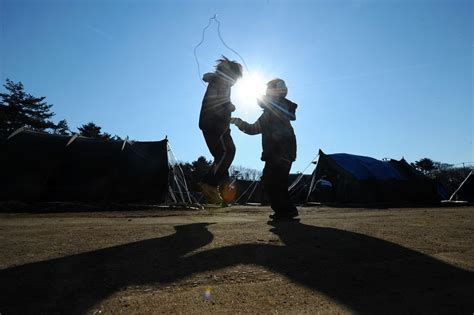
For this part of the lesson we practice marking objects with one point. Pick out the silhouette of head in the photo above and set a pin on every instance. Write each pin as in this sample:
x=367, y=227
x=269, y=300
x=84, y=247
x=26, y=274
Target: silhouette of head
x=231, y=70
x=277, y=88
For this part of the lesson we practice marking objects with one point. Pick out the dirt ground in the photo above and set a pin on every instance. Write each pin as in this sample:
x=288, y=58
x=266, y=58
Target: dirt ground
x=233, y=260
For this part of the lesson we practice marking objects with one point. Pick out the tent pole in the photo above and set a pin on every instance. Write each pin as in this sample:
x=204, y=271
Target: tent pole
x=455, y=192
x=251, y=194
x=245, y=191
x=297, y=180
x=74, y=137
x=177, y=167
x=179, y=188
x=311, y=185
x=172, y=194
x=19, y=130
x=184, y=182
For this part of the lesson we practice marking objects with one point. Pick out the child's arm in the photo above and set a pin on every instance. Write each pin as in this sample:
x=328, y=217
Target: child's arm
x=250, y=129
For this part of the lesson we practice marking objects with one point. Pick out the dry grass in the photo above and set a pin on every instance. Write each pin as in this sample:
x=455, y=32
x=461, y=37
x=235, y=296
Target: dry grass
x=331, y=261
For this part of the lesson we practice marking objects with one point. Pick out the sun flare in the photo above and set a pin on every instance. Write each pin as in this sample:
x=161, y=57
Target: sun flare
x=246, y=91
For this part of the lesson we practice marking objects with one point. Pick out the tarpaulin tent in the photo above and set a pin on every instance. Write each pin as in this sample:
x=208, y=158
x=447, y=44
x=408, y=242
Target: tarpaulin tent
x=43, y=167
x=365, y=180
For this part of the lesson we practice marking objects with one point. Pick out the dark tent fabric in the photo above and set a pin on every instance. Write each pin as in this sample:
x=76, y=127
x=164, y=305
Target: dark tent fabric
x=42, y=167
x=249, y=192
x=299, y=192
x=253, y=191
x=365, y=180
x=465, y=192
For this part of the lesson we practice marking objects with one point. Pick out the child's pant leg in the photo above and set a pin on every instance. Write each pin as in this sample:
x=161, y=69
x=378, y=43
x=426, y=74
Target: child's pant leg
x=275, y=181
x=222, y=149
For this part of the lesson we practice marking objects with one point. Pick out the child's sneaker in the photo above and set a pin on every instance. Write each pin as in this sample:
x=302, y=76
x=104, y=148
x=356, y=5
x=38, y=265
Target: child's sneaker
x=284, y=216
x=211, y=193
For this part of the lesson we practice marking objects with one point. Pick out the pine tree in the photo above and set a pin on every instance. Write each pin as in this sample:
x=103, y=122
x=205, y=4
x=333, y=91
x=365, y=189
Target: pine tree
x=425, y=165
x=62, y=128
x=93, y=131
x=18, y=109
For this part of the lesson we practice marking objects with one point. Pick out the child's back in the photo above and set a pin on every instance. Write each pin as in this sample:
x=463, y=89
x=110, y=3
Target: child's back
x=214, y=120
x=216, y=105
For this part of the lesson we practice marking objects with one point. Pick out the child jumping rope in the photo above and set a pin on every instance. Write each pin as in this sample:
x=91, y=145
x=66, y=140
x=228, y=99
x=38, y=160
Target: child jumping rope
x=214, y=121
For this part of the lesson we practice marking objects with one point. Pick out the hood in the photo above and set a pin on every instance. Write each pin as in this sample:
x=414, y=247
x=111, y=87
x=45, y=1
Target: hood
x=284, y=106
x=208, y=77
x=291, y=109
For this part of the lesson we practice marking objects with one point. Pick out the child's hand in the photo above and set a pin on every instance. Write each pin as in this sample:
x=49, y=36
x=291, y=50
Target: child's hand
x=236, y=121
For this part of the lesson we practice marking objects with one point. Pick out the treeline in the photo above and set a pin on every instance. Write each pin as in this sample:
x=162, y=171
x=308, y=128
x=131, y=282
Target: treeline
x=451, y=176
x=21, y=109
x=195, y=171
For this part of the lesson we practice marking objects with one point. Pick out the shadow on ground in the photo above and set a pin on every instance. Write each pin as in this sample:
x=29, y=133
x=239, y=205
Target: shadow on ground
x=366, y=274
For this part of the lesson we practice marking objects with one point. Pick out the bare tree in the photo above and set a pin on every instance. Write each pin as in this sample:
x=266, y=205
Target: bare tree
x=244, y=173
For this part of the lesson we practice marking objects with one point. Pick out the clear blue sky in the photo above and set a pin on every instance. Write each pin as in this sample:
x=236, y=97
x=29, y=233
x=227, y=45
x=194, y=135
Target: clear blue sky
x=375, y=78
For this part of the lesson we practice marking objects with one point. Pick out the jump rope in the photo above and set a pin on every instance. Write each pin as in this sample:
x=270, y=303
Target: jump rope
x=214, y=19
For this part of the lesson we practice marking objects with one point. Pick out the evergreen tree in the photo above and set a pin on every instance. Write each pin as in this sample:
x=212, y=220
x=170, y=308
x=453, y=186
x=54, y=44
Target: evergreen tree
x=62, y=128
x=93, y=131
x=425, y=165
x=19, y=109
x=195, y=171
x=200, y=167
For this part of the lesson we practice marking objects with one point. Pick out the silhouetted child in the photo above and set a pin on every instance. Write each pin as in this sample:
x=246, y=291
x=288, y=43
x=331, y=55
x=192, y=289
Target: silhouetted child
x=214, y=122
x=279, y=146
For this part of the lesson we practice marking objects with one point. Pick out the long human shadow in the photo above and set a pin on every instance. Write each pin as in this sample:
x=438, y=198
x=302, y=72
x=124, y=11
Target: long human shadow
x=72, y=284
x=366, y=274
x=363, y=273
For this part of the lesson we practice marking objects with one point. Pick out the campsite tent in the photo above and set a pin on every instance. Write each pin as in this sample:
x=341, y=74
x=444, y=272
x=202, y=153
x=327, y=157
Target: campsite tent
x=249, y=192
x=365, y=180
x=44, y=167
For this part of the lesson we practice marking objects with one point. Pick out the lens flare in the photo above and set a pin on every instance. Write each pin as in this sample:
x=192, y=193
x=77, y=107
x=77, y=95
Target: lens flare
x=207, y=294
x=246, y=91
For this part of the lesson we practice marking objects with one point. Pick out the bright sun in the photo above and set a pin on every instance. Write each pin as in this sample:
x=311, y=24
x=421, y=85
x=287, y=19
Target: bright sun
x=246, y=91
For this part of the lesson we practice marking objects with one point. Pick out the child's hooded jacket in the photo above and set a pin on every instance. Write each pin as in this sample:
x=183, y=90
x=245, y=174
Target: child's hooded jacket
x=216, y=106
x=278, y=137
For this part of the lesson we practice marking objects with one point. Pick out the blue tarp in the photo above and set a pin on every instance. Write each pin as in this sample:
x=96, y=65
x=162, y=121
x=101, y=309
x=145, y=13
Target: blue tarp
x=363, y=167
